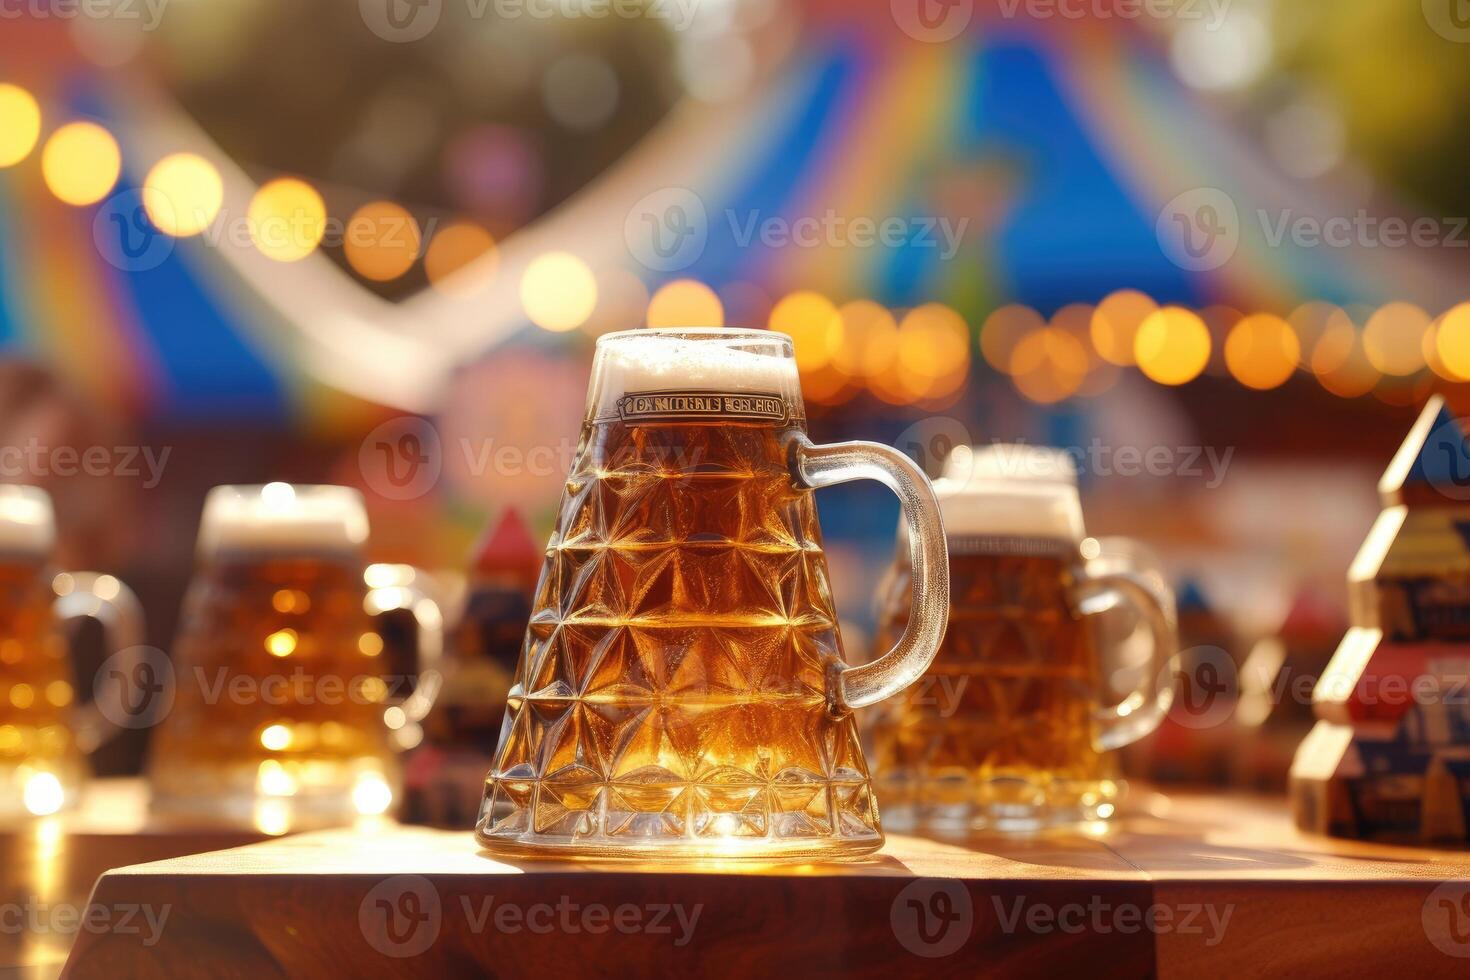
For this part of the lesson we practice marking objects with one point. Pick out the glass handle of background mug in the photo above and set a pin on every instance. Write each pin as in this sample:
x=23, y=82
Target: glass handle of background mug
x=823, y=466
x=398, y=587
x=92, y=595
x=1142, y=710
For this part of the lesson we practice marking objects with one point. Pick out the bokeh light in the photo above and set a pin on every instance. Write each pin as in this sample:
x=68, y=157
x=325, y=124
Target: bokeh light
x=580, y=91
x=558, y=291
x=1452, y=342
x=1172, y=346
x=382, y=241
x=1048, y=365
x=182, y=194
x=1003, y=330
x=1115, y=323
x=869, y=339
x=1262, y=351
x=1339, y=360
x=933, y=341
x=287, y=219
x=1431, y=352
x=43, y=794
x=1309, y=321
x=815, y=328
x=685, y=303
x=827, y=385
x=1393, y=338
x=281, y=643
x=453, y=247
x=20, y=124
x=81, y=163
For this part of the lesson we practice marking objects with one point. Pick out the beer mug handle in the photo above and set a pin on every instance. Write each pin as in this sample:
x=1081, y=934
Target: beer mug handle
x=396, y=587
x=823, y=466
x=1145, y=707
x=92, y=595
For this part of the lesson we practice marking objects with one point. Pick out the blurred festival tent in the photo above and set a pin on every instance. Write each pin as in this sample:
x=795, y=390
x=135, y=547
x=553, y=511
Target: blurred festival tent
x=1048, y=149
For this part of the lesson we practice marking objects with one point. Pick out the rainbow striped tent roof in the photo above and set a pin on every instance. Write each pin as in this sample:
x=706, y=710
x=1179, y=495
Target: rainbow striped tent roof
x=1047, y=154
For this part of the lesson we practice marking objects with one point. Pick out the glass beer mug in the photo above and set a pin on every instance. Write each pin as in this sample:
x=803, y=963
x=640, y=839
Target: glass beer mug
x=681, y=690
x=284, y=708
x=1009, y=729
x=45, y=726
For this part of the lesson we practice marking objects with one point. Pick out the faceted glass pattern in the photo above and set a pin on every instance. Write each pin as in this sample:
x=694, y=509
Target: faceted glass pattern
x=672, y=692
x=1001, y=731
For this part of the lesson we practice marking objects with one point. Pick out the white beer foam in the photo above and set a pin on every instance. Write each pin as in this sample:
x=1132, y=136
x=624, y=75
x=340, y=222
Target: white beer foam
x=27, y=522
x=1012, y=490
x=279, y=519
x=706, y=359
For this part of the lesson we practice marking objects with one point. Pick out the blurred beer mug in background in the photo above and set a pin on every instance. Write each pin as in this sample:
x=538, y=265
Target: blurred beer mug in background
x=47, y=726
x=1012, y=727
x=681, y=690
x=286, y=709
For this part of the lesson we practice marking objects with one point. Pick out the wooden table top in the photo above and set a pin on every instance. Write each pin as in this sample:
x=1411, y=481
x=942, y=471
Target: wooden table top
x=1189, y=885
x=49, y=865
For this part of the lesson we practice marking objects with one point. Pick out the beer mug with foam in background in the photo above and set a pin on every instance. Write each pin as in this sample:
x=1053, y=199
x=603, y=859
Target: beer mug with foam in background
x=286, y=711
x=47, y=725
x=682, y=690
x=1010, y=729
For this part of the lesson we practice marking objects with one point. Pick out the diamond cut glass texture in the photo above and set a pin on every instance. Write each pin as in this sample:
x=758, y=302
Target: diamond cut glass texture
x=672, y=692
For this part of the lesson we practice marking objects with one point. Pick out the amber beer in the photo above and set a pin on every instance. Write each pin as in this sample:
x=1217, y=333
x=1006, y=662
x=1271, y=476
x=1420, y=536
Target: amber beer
x=45, y=728
x=1007, y=730
x=676, y=691
x=35, y=684
x=281, y=682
